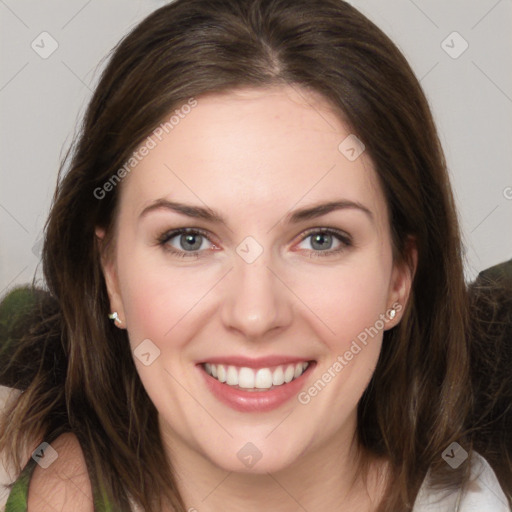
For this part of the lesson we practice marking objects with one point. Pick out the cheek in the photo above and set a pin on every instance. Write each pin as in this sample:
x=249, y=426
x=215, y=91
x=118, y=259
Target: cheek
x=347, y=299
x=159, y=299
x=352, y=302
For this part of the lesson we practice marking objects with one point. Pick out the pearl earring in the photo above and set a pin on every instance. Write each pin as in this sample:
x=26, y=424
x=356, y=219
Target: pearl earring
x=392, y=313
x=114, y=316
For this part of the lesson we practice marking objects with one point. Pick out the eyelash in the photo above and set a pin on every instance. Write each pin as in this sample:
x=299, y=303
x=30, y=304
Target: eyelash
x=345, y=240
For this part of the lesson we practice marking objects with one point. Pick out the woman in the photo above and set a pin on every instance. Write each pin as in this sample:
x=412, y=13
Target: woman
x=309, y=348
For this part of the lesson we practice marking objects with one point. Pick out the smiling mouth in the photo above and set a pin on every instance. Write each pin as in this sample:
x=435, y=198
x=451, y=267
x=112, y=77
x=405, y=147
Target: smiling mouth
x=256, y=379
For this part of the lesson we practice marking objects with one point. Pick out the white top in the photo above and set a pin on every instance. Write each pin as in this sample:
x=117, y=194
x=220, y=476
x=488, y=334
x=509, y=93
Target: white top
x=482, y=493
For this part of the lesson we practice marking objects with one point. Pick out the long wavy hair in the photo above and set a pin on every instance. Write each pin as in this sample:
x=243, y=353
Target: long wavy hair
x=85, y=380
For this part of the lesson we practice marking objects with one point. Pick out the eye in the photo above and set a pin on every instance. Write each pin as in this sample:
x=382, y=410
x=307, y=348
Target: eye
x=188, y=243
x=322, y=240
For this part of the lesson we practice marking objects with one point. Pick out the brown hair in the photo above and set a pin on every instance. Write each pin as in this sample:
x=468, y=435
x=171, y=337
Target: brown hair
x=490, y=298
x=416, y=402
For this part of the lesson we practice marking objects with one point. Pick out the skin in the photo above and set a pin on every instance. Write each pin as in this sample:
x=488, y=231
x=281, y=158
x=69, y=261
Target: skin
x=254, y=155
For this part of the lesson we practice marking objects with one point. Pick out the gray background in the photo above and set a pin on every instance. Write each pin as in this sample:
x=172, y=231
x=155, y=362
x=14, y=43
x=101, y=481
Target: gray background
x=42, y=100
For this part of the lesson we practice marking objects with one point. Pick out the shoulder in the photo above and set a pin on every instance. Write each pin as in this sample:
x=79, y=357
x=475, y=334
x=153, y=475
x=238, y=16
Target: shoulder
x=482, y=493
x=7, y=473
x=62, y=481
x=62, y=485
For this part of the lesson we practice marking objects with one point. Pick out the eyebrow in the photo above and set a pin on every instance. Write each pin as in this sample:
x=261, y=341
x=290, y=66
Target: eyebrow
x=294, y=217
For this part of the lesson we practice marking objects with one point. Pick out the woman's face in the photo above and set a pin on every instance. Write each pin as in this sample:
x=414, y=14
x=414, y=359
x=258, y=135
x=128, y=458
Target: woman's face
x=281, y=284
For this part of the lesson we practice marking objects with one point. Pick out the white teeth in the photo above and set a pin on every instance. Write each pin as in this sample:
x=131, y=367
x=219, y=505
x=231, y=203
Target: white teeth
x=278, y=376
x=246, y=378
x=221, y=373
x=289, y=373
x=232, y=376
x=262, y=378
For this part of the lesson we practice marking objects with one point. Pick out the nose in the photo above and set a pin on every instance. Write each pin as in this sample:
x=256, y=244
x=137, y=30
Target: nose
x=256, y=299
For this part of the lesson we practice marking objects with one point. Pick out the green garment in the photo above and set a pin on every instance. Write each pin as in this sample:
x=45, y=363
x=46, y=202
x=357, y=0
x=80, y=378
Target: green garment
x=18, y=497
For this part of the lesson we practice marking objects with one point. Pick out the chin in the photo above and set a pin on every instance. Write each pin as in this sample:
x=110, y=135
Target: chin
x=260, y=456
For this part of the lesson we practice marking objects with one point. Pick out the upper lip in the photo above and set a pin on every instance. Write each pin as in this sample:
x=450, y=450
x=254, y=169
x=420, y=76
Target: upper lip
x=259, y=362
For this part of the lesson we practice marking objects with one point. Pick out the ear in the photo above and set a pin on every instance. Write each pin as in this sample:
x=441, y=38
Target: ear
x=109, y=269
x=401, y=283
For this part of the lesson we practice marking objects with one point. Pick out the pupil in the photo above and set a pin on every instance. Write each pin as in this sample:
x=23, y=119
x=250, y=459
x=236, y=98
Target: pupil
x=321, y=238
x=189, y=239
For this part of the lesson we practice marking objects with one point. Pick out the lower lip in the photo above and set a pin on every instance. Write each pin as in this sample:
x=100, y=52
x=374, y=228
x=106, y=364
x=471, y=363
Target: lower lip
x=255, y=401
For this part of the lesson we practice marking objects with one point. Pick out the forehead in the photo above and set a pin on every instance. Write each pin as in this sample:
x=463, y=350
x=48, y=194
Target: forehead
x=260, y=149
